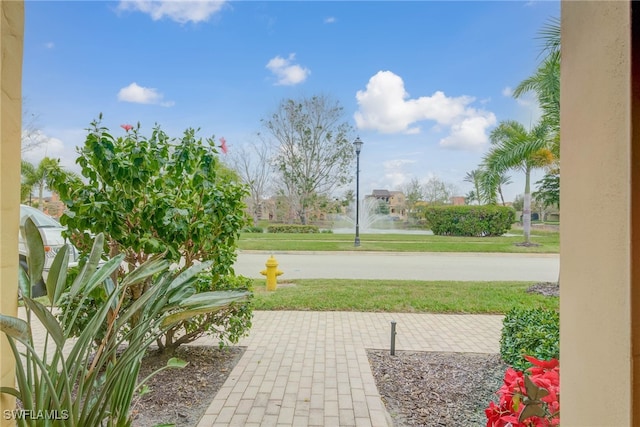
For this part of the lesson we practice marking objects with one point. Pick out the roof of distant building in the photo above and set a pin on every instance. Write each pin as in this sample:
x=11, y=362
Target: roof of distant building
x=381, y=193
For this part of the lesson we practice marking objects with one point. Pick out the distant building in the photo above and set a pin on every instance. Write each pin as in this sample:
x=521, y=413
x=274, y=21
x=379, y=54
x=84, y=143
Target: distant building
x=457, y=200
x=394, y=199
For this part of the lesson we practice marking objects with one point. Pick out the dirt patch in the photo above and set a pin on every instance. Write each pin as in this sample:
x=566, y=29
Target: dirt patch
x=418, y=388
x=527, y=245
x=437, y=389
x=181, y=396
x=548, y=289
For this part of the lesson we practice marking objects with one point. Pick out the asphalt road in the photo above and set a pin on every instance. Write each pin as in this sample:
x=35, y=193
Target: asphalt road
x=404, y=266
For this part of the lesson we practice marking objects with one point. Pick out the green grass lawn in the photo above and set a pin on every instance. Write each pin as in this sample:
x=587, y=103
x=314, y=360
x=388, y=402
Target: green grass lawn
x=549, y=242
x=399, y=296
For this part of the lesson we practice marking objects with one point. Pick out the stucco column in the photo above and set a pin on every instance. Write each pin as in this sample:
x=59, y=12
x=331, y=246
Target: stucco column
x=11, y=30
x=596, y=305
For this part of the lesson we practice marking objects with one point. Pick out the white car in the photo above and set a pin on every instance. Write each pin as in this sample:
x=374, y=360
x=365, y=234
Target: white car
x=51, y=232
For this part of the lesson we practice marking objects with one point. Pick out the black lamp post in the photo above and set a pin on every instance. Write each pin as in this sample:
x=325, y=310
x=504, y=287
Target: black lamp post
x=358, y=145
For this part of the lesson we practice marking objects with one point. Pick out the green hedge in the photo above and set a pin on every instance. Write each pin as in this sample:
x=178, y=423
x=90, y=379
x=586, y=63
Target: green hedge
x=530, y=332
x=253, y=229
x=292, y=228
x=488, y=220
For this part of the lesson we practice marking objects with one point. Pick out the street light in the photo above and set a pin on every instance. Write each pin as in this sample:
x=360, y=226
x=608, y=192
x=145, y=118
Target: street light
x=358, y=145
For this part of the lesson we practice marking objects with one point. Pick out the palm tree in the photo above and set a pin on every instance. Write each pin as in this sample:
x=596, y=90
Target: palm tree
x=545, y=83
x=513, y=147
x=503, y=179
x=37, y=176
x=474, y=178
x=26, y=170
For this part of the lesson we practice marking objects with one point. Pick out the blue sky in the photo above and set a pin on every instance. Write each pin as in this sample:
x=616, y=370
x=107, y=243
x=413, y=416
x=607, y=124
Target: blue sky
x=422, y=82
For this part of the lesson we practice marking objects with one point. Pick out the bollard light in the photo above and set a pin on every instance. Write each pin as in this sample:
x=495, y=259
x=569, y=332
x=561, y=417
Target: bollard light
x=393, y=337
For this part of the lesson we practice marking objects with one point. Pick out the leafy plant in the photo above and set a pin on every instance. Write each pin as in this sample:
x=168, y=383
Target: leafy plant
x=156, y=195
x=253, y=229
x=469, y=220
x=76, y=381
x=534, y=332
x=292, y=228
x=528, y=399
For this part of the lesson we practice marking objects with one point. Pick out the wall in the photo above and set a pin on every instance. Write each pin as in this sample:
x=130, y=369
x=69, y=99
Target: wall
x=11, y=30
x=595, y=245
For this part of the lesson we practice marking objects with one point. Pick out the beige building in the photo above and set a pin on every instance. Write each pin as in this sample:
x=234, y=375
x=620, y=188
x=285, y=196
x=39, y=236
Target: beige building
x=395, y=200
x=600, y=231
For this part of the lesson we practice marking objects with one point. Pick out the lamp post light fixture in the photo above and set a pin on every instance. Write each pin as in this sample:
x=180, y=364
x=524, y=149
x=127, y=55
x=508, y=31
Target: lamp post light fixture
x=358, y=146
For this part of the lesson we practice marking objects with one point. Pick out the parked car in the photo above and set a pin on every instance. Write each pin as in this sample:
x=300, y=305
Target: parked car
x=51, y=232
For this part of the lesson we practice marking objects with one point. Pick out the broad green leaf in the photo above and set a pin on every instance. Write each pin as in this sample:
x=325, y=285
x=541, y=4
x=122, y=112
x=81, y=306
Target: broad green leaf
x=190, y=273
x=90, y=266
x=48, y=321
x=14, y=327
x=101, y=274
x=208, y=298
x=175, y=362
x=24, y=283
x=180, y=295
x=56, y=280
x=149, y=268
x=10, y=390
x=35, y=252
x=174, y=318
x=205, y=302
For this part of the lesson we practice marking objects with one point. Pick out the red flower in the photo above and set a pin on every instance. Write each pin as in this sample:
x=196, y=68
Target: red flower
x=223, y=145
x=514, y=393
x=127, y=128
x=545, y=364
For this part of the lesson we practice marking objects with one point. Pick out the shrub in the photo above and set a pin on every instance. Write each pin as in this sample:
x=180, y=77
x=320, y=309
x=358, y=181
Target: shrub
x=469, y=220
x=94, y=382
x=155, y=195
x=326, y=231
x=253, y=229
x=292, y=228
x=533, y=332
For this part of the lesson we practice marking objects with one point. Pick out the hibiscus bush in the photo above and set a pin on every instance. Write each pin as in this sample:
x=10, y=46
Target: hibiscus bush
x=160, y=195
x=528, y=399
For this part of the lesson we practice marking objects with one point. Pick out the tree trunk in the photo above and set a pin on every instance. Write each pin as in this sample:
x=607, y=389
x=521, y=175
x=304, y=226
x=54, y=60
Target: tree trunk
x=40, y=196
x=526, y=209
x=501, y=195
x=303, y=216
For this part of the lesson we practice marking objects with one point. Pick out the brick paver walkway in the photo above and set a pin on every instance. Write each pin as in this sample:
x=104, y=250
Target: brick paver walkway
x=311, y=368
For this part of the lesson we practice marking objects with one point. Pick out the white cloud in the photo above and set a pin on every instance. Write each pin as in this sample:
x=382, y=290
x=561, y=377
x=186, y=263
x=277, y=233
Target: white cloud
x=142, y=95
x=385, y=106
x=181, y=11
x=49, y=45
x=286, y=71
x=507, y=91
x=395, y=173
x=330, y=20
x=469, y=133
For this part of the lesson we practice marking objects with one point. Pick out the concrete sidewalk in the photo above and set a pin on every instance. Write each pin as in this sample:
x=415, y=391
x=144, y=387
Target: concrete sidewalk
x=311, y=368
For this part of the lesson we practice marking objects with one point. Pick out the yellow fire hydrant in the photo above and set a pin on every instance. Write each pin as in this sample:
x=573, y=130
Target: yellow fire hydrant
x=272, y=273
